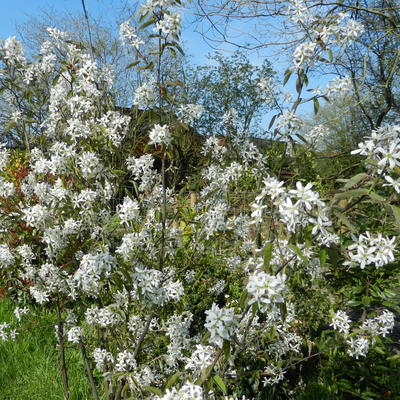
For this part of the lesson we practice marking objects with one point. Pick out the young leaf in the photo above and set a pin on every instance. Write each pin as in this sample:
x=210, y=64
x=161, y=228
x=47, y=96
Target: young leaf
x=396, y=214
x=351, y=193
x=147, y=23
x=171, y=381
x=267, y=255
x=220, y=383
x=153, y=390
x=132, y=64
x=355, y=180
x=298, y=252
x=272, y=121
x=316, y=105
x=288, y=74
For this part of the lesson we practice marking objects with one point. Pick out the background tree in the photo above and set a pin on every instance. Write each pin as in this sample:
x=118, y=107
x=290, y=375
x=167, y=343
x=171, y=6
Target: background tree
x=372, y=61
x=232, y=83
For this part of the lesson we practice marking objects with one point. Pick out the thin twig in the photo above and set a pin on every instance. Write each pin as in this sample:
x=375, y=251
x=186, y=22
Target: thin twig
x=88, y=371
x=61, y=347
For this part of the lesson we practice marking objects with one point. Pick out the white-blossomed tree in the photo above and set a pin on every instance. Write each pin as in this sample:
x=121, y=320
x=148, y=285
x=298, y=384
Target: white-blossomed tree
x=239, y=285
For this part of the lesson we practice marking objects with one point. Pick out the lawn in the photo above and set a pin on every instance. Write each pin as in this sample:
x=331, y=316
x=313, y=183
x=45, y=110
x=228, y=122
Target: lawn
x=29, y=365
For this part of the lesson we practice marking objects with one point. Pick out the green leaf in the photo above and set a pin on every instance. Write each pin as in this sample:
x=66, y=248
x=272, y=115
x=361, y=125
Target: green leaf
x=298, y=252
x=288, y=74
x=376, y=197
x=147, y=23
x=344, y=220
x=174, y=83
x=366, y=301
x=148, y=66
x=220, y=383
x=243, y=299
x=316, y=105
x=132, y=64
x=323, y=256
x=172, y=380
x=396, y=214
x=154, y=390
x=268, y=256
x=351, y=193
x=227, y=348
x=354, y=303
x=283, y=310
x=176, y=46
x=272, y=121
x=355, y=180
x=299, y=85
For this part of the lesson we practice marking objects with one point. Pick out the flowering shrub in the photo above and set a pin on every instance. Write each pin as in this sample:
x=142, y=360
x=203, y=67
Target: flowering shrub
x=169, y=297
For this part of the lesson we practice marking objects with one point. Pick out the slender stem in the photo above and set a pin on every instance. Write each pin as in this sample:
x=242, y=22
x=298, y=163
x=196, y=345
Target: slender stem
x=143, y=335
x=118, y=392
x=211, y=367
x=89, y=371
x=61, y=347
x=107, y=387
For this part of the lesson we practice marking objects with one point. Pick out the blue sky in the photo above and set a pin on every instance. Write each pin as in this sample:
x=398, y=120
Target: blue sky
x=20, y=11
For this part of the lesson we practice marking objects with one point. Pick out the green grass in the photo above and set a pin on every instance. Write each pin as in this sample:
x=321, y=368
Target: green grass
x=29, y=368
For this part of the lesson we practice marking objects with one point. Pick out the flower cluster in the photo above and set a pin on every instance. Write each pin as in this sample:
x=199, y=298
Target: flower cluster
x=371, y=328
x=188, y=113
x=370, y=249
x=129, y=35
x=188, y=391
x=266, y=290
x=160, y=134
x=221, y=323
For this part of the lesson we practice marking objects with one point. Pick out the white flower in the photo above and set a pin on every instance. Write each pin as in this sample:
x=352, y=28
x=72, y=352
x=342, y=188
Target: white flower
x=160, y=135
x=40, y=295
x=170, y=24
x=188, y=391
x=221, y=323
x=380, y=325
x=265, y=289
x=303, y=53
x=289, y=121
x=389, y=156
x=128, y=210
x=18, y=312
x=188, y=113
x=36, y=216
x=305, y=195
x=200, y=359
x=92, y=268
x=341, y=322
x=394, y=183
x=129, y=36
x=102, y=357
x=89, y=164
x=339, y=86
x=273, y=375
x=104, y=317
x=358, y=347
x=213, y=147
x=6, y=257
x=145, y=95
x=125, y=361
x=13, y=52
x=6, y=333
x=74, y=334
x=377, y=250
